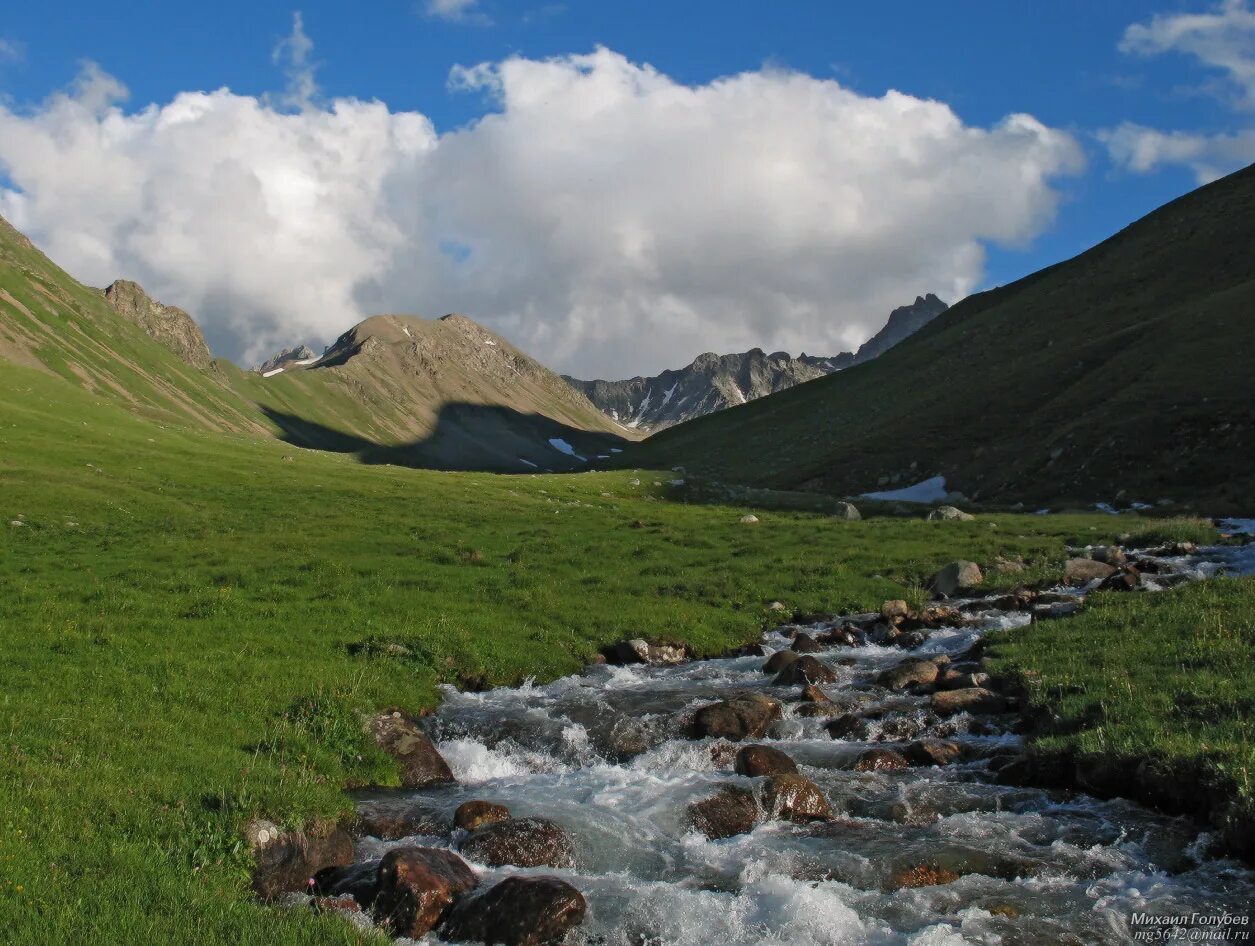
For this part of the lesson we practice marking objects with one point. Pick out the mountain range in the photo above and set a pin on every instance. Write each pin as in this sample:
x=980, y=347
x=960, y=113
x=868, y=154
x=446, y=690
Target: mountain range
x=394, y=389
x=714, y=382
x=1122, y=374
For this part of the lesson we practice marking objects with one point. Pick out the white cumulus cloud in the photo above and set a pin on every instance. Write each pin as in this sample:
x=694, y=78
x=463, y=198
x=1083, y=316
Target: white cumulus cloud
x=1222, y=39
x=605, y=217
x=457, y=11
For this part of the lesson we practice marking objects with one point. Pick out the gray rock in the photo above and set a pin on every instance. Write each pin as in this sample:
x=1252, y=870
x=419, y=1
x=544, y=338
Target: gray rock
x=957, y=576
x=949, y=514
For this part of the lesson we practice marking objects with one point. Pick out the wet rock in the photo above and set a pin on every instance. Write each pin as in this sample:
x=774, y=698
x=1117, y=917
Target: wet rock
x=286, y=862
x=907, y=673
x=957, y=576
x=792, y=797
x=846, y=511
x=896, y=728
x=971, y=700
x=961, y=680
x=928, y=752
x=813, y=694
x=403, y=738
x=392, y=818
x=1109, y=555
x=519, y=911
x=806, y=669
x=1052, y=612
x=417, y=886
x=344, y=905
x=805, y=644
x=638, y=651
x=728, y=812
x=896, y=610
x=910, y=640
x=921, y=875
x=763, y=760
x=359, y=881
x=475, y=814
x=1081, y=571
x=747, y=650
x=847, y=726
x=779, y=660
x=747, y=716
x=523, y=842
x=1056, y=597
x=1126, y=580
x=879, y=760
x=817, y=710
x=949, y=514
x=844, y=637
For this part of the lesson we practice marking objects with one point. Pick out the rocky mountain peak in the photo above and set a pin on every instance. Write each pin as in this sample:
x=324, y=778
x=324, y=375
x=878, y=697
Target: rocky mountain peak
x=301, y=354
x=167, y=324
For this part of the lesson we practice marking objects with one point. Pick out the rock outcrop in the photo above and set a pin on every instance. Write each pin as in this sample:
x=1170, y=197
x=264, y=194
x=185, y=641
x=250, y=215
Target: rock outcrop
x=167, y=324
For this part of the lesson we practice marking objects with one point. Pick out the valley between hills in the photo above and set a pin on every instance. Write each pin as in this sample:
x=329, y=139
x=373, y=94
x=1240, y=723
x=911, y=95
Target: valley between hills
x=267, y=634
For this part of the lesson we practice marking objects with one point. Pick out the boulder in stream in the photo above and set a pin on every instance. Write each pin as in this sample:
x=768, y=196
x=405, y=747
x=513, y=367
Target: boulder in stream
x=970, y=700
x=927, y=752
x=847, y=726
x=475, y=814
x=395, y=817
x=879, y=760
x=730, y=811
x=806, y=669
x=1081, y=571
x=417, y=887
x=763, y=760
x=359, y=881
x=805, y=644
x=285, y=862
x=779, y=660
x=403, y=738
x=519, y=911
x=793, y=797
x=907, y=673
x=523, y=842
x=639, y=651
x=747, y=716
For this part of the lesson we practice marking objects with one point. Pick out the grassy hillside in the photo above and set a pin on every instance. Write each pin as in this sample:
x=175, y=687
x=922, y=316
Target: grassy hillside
x=445, y=394
x=1126, y=368
x=178, y=608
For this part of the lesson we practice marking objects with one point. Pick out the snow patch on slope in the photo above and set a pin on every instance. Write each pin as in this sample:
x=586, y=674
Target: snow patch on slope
x=931, y=490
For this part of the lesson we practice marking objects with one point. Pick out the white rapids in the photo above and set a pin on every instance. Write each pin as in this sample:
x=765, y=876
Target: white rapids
x=602, y=753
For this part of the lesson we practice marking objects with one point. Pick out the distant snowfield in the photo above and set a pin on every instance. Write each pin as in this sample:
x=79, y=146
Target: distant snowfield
x=272, y=372
x=563, y=447
x=929, y=491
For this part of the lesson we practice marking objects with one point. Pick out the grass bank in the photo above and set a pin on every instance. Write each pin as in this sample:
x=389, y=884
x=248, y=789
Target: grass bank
x=179, y=612
x=1150, y=694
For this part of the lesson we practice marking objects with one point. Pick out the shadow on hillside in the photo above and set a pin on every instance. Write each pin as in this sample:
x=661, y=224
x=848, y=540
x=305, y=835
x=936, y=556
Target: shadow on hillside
x=467, y=437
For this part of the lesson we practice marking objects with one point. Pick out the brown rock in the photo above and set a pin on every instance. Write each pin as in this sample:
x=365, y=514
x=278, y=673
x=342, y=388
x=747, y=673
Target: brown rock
x=1109, y=555
x=955, y=577
x=475, y=814
x=896, y=610
x=971, y=700
x=392, y=818
x=763, y=760
x=728, y=812
x=847, y=726
x=908, y=672
x=779, y=660
x=359, y=881
x=806, y=669
x=417, y=886
x=796, y=798
x=879, y=760
x=167, y=324
x=1080, y=571
x=523, y=842
x=959, y=680
x=805, y=644
x=287, y=862
x=933, y=752
x=747, y=716
x=921, y=875
x=519, y=911
x=401, y=737
x=812, y=694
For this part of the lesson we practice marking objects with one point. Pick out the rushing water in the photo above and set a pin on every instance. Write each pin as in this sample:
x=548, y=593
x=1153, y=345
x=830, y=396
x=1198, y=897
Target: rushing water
x=602, y=754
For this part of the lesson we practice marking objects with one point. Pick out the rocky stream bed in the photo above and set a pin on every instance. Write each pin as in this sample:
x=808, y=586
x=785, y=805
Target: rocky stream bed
x=853, y=779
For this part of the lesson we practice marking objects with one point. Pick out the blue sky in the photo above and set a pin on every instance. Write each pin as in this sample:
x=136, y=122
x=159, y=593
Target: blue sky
x=1061, y=62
